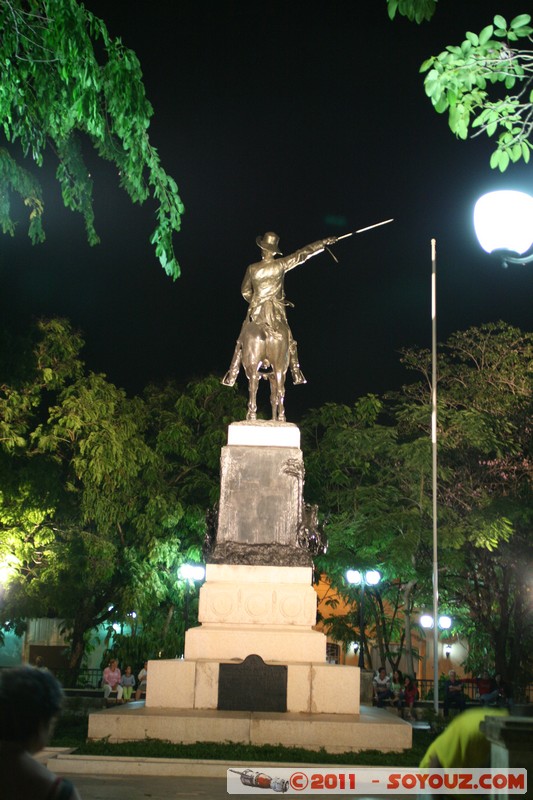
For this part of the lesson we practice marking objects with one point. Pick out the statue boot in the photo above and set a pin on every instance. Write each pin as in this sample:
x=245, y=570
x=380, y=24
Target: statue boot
x=231, y=375
x=296, y=373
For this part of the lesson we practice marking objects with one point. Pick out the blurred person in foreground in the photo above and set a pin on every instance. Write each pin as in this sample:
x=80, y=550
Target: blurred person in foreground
x=30, y=701
x=462, y=744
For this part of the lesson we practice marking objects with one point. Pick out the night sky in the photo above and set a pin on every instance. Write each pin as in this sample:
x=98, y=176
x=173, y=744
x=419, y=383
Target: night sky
x=308, y=119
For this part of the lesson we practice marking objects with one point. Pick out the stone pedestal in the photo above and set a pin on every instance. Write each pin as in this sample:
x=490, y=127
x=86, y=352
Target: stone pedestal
x=258, y=598
x=261, y=496
x=260, y=492
x=262, y=610
x=257, y=610
x=311, y=688
x=511, y=745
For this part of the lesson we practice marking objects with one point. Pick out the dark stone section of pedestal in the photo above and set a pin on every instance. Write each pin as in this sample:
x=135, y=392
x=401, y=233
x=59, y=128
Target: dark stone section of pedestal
x=252, y=685
x=270, y=555
x=260, y=494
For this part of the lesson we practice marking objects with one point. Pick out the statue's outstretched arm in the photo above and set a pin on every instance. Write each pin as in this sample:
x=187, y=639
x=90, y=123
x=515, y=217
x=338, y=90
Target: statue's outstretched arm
x=307, y=252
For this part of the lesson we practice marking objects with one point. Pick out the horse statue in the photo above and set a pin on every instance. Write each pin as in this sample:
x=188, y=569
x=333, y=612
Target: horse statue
x=265, y=354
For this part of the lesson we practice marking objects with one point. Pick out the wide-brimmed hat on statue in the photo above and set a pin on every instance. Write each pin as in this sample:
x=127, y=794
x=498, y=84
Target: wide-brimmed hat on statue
x=269, y=242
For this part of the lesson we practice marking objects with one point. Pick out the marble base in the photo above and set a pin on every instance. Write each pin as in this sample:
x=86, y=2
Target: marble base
x=311, y=688
x=372, y=729
x=262, y=610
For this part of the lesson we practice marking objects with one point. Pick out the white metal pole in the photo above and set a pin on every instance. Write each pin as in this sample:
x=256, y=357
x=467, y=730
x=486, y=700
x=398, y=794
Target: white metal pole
x=434, y=472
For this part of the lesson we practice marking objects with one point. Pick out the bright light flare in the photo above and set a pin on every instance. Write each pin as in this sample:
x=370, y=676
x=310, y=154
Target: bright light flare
x=503, y=220
x=191, y=572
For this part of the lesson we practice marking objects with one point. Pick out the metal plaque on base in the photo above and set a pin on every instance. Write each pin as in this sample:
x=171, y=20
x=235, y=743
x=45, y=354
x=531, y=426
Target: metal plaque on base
x=252, y=685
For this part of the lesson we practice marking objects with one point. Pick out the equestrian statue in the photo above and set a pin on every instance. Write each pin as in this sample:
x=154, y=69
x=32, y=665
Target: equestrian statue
x=266, y=347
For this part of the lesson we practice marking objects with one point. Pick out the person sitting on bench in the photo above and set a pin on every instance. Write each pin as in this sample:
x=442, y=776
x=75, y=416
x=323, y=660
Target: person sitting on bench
x=382, y=689
x=453, y=693
x=111, y=681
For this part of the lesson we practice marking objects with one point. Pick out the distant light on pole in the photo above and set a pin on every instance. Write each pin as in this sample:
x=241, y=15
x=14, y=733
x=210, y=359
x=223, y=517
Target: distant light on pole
x=444, y=622
x=503, y=222
x=372, y=577
x=357, y=578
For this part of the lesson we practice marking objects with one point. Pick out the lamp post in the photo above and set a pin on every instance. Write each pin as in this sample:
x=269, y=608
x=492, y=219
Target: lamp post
x=369, y=578
x=190, y=573
x=503, y=222
x=444, y=623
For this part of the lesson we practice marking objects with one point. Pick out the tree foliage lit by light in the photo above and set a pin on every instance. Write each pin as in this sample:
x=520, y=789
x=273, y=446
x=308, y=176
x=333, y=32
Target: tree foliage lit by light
x=62, y=78
x=484, y=84
x=103, y=497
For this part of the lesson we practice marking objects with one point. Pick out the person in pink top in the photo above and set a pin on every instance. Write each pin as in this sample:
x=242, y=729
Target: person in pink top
x=111, y=680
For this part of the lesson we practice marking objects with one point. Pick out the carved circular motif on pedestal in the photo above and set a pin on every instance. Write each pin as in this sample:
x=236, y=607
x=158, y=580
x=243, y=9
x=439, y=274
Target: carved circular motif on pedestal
x=291, y=607
x=257, y=605
x=222, y=603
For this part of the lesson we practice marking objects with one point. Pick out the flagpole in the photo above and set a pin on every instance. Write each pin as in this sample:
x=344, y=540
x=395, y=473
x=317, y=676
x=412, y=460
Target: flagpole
x=434, y=473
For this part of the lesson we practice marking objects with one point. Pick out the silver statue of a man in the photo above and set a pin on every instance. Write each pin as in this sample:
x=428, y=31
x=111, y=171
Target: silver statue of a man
x=263, y=289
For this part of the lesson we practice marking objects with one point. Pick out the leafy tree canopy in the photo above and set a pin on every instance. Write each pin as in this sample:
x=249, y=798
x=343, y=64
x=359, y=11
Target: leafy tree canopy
x=64, y=82
x=102, y=496
x=369, y=468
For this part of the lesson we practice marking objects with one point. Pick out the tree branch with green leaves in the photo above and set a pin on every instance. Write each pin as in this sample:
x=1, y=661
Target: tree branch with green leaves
x=466, y=81
x=64, y=82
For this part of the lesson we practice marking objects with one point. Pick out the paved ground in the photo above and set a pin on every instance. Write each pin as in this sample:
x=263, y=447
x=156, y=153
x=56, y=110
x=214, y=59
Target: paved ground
x=119, y=787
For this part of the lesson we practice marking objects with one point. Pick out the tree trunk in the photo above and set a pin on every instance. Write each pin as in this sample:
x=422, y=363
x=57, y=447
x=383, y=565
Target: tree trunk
x=168, y=620
x=407, y=617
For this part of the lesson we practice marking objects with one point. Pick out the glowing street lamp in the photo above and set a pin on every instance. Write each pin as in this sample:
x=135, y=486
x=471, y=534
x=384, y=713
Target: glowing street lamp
x=503, y=222
x=190, y=573
x=444, y=622
x=369, y=578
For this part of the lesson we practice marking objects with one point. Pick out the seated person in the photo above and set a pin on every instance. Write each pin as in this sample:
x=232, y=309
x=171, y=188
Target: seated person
x=396, y=687
x=453, y=693
x=409, y=696
x=484, y=684
x=30, y=701
x=111, y=680
x=142, y=676
x=498, y=695
x=128, y=684
x=382, y=687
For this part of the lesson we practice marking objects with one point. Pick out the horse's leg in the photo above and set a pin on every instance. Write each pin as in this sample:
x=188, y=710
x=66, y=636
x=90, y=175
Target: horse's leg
x=253, y=382
x=273, y=395
x=280, y=395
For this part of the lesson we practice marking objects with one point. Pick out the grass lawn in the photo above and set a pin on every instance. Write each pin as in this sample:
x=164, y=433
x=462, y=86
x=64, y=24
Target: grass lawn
x=71, y=731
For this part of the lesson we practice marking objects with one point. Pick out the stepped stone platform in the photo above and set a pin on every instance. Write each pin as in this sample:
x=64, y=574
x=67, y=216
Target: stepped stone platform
x=371, y=729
